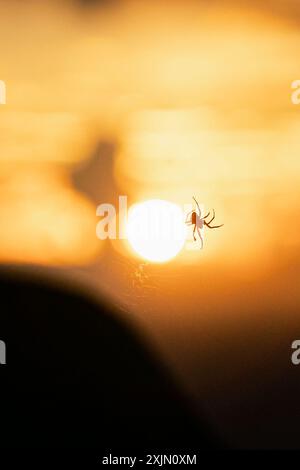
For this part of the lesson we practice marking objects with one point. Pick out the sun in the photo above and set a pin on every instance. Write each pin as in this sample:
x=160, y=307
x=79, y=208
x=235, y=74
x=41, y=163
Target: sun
x=156, y=230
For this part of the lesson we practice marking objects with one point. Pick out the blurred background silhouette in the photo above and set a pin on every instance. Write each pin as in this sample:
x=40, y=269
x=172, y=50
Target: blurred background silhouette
x=167, y=100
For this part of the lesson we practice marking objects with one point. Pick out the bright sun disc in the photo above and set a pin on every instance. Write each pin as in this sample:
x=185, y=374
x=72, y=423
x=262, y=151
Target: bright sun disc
x=156, y=230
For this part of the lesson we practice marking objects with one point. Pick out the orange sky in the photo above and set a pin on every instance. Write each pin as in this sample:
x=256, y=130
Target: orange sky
x=198, y=105
x=149, y=100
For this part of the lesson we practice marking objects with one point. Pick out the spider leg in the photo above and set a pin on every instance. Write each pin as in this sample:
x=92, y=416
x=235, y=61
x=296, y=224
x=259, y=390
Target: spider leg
x=199, y=210
x=212, y=217
x=201, y=239
x=213, y=226
x=206, y=215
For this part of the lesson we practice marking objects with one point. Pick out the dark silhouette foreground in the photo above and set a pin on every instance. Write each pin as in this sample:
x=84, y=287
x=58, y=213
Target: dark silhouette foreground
x=76, y=376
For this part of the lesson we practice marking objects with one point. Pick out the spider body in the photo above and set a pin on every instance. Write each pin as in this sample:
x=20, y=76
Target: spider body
x=199, y=222
x=194, y=218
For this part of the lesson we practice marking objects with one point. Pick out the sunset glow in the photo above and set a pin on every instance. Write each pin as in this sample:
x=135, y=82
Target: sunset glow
x=155, y=230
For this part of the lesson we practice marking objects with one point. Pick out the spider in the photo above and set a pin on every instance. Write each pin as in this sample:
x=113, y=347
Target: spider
x=199, y=221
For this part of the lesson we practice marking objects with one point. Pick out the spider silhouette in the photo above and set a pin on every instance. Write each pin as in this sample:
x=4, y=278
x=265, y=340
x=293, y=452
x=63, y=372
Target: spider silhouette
x=199, y=222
